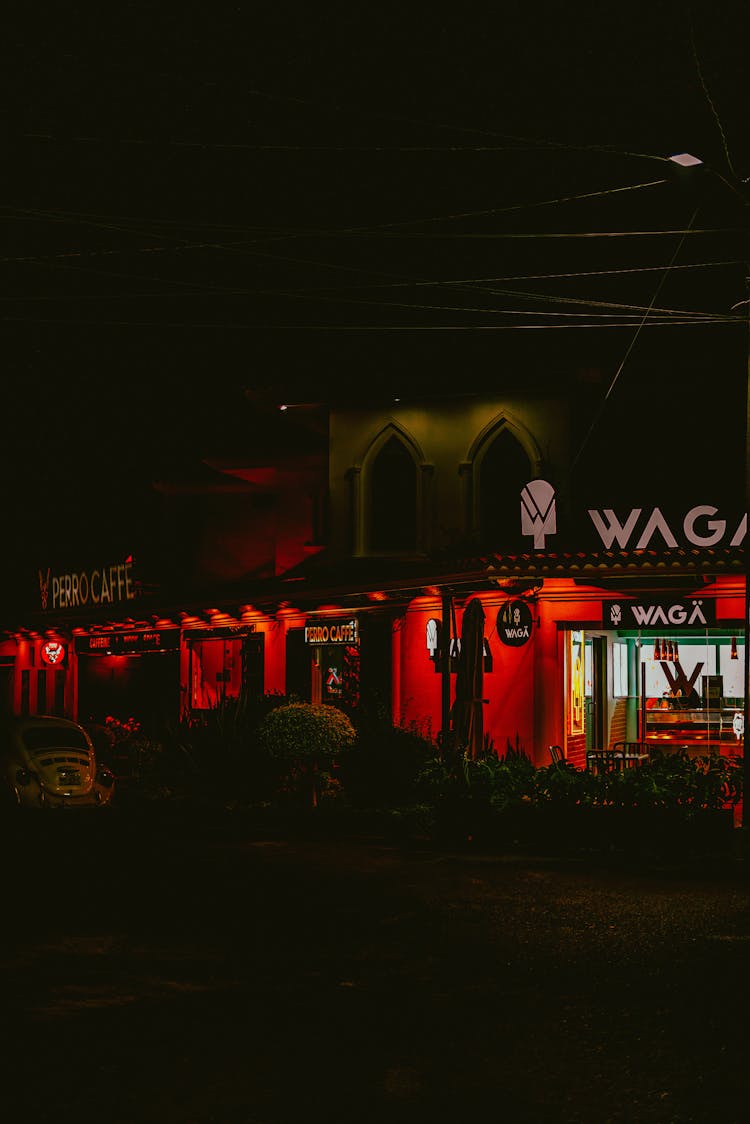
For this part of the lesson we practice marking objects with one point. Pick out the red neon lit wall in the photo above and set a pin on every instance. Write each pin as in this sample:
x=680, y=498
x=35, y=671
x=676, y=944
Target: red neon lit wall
x=509, y=687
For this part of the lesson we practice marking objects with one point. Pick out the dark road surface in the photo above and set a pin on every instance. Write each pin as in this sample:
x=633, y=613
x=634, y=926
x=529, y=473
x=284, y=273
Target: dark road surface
x=173, y=974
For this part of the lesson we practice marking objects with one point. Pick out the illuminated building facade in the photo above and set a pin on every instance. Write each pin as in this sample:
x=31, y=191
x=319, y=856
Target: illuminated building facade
x=340, y=569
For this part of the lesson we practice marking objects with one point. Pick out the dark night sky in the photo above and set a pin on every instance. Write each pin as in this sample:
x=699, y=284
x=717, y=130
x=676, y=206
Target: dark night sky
x=198, y=200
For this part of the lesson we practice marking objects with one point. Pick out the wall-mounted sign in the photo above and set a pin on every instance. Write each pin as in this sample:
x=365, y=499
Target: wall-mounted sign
x=637, y=528
x=333, y=631
x=103, y=586
x=576, y=673
x=514, y=623
x=220, y=632
x=122, y=643
x=53, y=653
x=334, y=682
x=538, y=511
x=692, y=612
x=699, y=528
x=432, y=638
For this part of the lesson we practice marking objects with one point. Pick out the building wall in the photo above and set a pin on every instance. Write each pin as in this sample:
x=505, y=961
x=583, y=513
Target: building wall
x=509, y=686
x=445, y=439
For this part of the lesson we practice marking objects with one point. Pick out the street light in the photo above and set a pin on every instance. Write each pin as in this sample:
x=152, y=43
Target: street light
x=685, y=160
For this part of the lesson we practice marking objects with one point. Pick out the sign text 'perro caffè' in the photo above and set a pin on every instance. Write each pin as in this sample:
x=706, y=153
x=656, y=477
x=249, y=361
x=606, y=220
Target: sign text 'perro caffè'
x=332, y=632
x=103, y=585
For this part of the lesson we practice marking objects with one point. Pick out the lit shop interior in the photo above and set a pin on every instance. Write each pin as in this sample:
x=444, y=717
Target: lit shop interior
x=675, y=691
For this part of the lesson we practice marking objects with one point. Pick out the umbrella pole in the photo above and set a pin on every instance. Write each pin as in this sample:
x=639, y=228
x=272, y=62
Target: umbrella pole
x=445, y=668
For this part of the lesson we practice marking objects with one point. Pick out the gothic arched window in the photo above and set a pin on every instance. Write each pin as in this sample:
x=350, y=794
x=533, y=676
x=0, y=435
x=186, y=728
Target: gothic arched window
x=393, y=498
x=503, y=471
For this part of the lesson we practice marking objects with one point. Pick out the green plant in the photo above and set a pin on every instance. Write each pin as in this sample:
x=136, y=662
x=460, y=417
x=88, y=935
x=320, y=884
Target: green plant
x=500, y=782
x=307, y=738
x=563, y=785
x=384, y=770
x=677, y=780
x=216, y=753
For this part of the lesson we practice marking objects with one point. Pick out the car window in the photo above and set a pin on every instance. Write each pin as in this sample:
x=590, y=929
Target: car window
x=54, y=737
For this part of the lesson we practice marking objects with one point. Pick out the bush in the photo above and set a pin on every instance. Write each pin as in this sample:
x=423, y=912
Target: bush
x=303, y=732
x=494, y=798
x=217, y=753
x=678, y=781
x=307, y=738
x=384, y=770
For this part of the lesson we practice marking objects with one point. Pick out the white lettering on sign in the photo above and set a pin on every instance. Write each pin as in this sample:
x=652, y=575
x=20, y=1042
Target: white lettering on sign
x=696, y=532
x=101, y=587
x=648, y=616
x=338, y=632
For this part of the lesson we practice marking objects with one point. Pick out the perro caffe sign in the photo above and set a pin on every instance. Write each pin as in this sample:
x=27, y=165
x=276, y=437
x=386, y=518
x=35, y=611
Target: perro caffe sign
x=105, y=585
x=332, y=632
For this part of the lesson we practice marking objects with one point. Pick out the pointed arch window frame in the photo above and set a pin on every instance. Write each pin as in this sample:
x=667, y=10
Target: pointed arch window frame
x=470, y=469
x=360, y=475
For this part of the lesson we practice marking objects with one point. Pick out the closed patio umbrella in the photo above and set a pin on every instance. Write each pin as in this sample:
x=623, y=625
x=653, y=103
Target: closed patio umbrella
x=468, y=722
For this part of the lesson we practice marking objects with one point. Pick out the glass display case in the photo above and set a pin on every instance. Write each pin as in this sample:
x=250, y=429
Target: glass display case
x=711, y=727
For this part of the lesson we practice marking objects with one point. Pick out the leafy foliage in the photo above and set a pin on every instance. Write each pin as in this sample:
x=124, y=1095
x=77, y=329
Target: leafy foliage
x=675, y=780
x=306, y=732
x=306, y=738
x=388, y=760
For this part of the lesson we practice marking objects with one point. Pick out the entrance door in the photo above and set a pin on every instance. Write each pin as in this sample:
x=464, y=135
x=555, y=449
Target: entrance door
x=223, y=668
x=596, y=692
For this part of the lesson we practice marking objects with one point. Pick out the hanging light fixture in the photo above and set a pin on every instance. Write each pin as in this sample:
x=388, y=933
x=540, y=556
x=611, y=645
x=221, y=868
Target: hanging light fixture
x=657, y=649
x=670, y=652
x=733, y=653
x=675, y=652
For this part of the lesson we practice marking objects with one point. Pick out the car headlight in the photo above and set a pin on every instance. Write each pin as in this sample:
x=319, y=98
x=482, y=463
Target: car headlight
x=23, y=777
x=104, y=777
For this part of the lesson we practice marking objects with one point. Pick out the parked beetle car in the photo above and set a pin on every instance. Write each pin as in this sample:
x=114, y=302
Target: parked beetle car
x=49, y=762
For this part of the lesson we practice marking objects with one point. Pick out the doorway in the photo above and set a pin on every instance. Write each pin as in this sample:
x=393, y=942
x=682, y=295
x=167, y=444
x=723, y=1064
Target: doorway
x=595, y=660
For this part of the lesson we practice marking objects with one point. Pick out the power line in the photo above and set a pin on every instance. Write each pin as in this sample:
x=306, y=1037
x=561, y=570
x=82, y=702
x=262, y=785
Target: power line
x=633, y=342
x=220, y=325
x=540, y=235
x=116, y=223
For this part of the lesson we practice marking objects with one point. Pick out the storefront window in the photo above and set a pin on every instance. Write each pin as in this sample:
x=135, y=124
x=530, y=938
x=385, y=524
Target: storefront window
x=335, y=678
x=215, y=672
x=620, y=669
x=685, y=692
x=576, y=673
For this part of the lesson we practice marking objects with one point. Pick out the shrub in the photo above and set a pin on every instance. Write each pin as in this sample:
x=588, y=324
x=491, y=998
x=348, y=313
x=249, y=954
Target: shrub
x=307, y=738
x=388, y=761
x=303, y=732
x=677, y=780
x=217, y=752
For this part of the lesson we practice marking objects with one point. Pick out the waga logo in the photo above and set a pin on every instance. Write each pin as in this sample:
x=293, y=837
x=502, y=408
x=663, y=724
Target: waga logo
x=538, y=511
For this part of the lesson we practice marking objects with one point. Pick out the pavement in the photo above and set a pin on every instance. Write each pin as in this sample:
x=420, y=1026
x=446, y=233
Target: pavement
x=179, y=973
